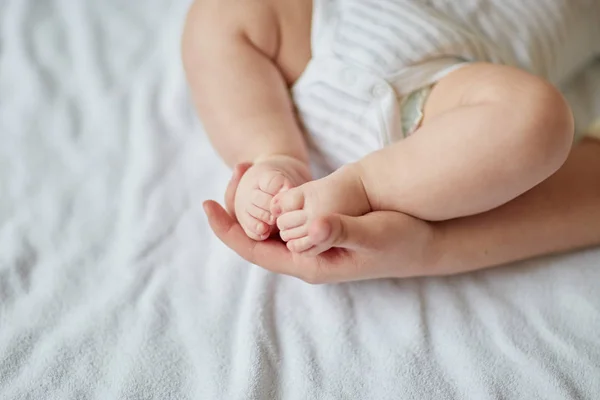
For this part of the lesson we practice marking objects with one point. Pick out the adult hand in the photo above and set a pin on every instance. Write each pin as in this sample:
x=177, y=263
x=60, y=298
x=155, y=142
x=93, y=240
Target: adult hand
x=377, y=245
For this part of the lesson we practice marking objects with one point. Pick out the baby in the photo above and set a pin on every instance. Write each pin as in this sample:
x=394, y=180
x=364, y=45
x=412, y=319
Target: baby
x=421, y=107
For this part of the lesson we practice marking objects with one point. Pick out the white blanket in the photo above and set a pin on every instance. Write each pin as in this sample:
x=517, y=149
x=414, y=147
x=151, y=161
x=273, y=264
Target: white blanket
x=113, y=287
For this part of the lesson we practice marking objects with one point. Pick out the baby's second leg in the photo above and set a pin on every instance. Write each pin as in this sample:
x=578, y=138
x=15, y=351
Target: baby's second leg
x=490, y=133
x=239, y=67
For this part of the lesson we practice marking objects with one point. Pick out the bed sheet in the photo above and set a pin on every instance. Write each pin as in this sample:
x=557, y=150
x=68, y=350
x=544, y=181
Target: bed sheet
x=113, y=287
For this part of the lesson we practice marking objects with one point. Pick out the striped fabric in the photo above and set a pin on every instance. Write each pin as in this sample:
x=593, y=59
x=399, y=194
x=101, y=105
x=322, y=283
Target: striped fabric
x=369, y=54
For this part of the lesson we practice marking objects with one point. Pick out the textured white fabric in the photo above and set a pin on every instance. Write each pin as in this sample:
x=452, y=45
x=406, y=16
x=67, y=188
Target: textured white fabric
x=369, y=54
x=113, y=287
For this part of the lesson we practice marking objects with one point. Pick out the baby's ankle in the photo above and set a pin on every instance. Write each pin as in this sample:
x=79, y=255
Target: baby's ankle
x=365, y=184
x=300, y=165
x=354, y=177
x=278, y=157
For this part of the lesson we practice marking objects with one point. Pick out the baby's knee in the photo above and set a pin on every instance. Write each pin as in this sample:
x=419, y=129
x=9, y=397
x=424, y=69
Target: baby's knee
x=548, y=125
x=538, y=121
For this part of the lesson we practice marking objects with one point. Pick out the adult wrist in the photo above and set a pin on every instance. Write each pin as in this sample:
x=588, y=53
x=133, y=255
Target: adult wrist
x=442, y=252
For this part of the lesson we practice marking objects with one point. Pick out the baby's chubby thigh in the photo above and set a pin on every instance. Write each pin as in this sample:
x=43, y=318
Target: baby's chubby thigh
x=528, y=130
x=537, y=114
x=488, y=134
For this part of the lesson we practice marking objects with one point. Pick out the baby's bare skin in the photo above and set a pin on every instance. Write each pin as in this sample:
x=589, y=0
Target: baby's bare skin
x=472, y=153
x=239, y=73
x=265, y=179
x=561, y=214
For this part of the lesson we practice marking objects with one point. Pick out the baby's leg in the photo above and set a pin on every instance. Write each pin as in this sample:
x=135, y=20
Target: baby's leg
x=238, y=62
x=231, y=52
x=490, y=133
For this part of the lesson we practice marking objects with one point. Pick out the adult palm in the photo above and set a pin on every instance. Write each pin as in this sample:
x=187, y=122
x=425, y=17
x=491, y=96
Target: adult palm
x=376, y=245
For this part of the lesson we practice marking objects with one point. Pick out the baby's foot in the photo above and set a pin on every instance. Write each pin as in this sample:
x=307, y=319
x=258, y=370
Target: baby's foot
x=257, y=187
x=299, y=210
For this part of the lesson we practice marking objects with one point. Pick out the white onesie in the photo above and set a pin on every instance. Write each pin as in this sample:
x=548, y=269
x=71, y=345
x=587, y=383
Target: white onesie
x=370, y=56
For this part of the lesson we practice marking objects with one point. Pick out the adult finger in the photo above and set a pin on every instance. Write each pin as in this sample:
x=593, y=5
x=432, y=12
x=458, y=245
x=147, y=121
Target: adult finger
x=368, y=231
x=270, y=254
x=347, y=232
x=334, y=265
x=238, y=171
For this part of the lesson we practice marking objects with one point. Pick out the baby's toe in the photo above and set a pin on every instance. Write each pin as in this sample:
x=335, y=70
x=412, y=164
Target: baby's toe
x=255, y=229
x=273, y=183
x=300, y=245
x=324, y=233
x=261, y=199
x=287, y=201
x=292, y=219
x=260, y=214
x=294, y=233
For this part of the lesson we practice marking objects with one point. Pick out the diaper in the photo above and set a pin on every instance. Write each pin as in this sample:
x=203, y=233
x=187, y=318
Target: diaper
x=412, y=110
x=594, y=130
x=412, y=105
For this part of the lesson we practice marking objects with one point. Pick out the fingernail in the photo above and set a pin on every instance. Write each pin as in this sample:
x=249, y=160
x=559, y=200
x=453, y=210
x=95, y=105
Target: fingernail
x=260, y=228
